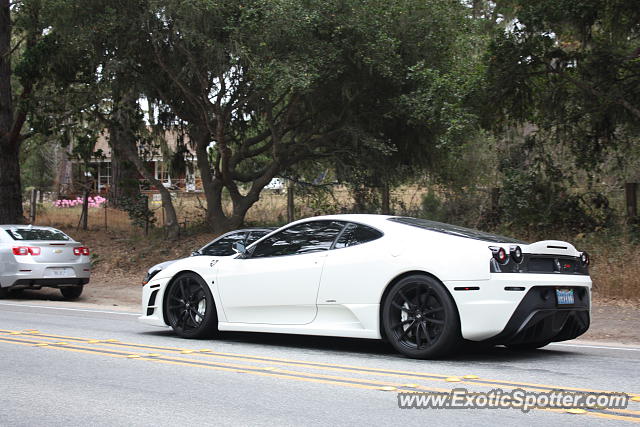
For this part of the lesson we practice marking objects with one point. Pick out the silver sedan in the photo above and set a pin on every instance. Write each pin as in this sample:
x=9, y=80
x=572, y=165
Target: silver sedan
x=32, y=257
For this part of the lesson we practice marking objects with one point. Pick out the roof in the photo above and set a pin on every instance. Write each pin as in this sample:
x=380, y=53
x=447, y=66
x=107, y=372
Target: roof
x=171, y=136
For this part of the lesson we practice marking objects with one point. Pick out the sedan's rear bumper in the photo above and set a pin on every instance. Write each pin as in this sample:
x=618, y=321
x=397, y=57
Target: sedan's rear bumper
x=34, y=275
x=51, y=283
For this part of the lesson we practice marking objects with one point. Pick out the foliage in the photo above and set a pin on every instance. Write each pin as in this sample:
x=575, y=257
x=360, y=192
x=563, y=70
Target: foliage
x=138, y=210
x=571, y=68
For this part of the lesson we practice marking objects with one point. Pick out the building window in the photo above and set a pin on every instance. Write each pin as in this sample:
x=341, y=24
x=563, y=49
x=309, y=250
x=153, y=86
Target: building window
x=104, y=175
x=162, y=172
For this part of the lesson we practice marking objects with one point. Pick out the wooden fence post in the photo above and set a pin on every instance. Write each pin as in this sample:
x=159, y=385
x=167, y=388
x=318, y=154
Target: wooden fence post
x=32, y=206
x=290, y=202
x=631, y=198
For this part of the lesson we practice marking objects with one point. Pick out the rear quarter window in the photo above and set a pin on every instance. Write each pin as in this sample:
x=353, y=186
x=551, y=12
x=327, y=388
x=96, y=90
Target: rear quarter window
x=356, y=234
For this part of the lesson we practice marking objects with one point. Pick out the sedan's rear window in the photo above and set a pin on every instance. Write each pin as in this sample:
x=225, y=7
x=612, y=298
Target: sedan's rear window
x=455, y=230
x=36, y=234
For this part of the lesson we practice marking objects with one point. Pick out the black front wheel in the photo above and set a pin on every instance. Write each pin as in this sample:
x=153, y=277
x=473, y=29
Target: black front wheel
x=190, y=309
x=420, y=319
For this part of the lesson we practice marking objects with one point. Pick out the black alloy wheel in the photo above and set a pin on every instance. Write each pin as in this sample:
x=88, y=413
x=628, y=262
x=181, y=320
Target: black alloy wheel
x=189, y=307
x=420, y=319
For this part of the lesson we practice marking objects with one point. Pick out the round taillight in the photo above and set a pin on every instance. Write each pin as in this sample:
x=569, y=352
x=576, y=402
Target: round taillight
x=584, y=258
x=516, y=254
x=499, y=254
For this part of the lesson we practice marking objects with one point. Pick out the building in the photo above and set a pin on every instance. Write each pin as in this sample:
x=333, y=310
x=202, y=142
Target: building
x=188, y=180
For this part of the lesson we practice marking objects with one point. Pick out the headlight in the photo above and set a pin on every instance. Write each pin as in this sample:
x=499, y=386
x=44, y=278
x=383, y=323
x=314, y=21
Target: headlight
x=149, y=276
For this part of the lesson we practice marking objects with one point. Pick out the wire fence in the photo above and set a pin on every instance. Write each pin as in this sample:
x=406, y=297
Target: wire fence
x=271, y=209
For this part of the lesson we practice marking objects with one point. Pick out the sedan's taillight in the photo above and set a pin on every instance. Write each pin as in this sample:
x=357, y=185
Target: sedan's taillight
x=81, y=250
x=26, y=250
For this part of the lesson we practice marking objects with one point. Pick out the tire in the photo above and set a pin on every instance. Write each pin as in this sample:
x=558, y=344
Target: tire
x=4, y=293
x=527, y=346
x=189, y=307
x=420, y=319
x=71, y=293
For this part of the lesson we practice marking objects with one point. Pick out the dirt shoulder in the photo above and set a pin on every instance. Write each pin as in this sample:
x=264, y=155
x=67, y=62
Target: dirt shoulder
x=614, y=320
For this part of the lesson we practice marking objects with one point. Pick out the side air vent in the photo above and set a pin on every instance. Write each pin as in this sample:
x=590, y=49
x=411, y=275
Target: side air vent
x=152, y=303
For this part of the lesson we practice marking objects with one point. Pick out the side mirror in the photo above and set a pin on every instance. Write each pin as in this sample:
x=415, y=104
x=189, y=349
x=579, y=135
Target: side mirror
x=239, y=248
x=195, y=253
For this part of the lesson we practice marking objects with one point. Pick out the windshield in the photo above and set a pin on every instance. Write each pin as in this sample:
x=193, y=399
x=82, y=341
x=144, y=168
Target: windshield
x=455, y=230
x=36, y=234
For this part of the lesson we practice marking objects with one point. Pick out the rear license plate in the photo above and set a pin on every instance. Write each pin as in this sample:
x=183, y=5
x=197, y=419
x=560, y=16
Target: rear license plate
x=565, y=296
x=59, y=272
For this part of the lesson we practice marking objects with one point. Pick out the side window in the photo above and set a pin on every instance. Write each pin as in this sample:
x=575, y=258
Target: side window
x=255, y=235
x=300, y=239
x=355, y=234
x=223, y=246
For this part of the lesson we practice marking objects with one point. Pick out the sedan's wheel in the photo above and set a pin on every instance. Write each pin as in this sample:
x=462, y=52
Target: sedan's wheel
x=71, y=292
x=4, y=293
x=420, y=319
x=190, y=309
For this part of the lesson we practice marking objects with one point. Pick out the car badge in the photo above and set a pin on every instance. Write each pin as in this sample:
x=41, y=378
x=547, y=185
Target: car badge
x=214, y=262
x=57, y=251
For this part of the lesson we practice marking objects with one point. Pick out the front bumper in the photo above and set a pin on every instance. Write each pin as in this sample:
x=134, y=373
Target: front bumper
x=152, y=302
x=509, y=308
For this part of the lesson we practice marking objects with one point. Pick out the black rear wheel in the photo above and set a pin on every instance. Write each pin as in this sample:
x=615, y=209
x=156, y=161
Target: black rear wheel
x=189, y=306
x=420, y=319
x=71, y=292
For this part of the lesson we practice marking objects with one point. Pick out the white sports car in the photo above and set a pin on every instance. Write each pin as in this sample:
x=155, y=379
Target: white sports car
x=424, y=286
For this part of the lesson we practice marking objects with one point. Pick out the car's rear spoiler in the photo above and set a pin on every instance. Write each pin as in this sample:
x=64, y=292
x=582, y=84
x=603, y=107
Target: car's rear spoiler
x=551, y=247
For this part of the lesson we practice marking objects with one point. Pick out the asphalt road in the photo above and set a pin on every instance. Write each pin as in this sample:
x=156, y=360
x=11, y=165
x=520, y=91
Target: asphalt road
x=71, y=367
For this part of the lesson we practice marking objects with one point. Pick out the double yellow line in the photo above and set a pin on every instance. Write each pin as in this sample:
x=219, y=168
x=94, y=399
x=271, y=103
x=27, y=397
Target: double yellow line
x=35, y=338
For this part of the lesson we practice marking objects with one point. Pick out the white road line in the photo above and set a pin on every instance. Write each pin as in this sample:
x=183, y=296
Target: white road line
x=124, y=313
x=596, y=346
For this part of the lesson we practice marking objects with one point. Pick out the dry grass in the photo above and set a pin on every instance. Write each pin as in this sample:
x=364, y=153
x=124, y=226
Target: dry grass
x=615, y=270
x=271, y=209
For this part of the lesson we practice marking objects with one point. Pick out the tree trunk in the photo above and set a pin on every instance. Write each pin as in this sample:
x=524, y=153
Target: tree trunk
x=124, y=174
x=124, y=120
x=10, y=186
x=213, y=186
x=385, y=193
x=32, y=206
x=171, y=218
